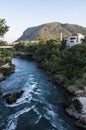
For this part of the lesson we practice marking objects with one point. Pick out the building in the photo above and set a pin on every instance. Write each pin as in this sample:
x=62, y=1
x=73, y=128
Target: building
x=74, y=39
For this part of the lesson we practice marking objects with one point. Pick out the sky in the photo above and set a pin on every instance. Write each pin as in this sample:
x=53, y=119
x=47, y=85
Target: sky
x=21, y=14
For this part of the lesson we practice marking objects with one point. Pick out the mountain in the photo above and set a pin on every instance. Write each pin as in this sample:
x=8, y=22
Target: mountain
x=51, y=31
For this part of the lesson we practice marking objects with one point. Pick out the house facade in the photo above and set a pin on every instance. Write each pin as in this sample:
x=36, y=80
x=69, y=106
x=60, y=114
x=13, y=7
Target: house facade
x=74, y=39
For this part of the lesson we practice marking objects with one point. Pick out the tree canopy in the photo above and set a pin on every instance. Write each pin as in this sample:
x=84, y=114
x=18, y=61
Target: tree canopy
x=3, y=27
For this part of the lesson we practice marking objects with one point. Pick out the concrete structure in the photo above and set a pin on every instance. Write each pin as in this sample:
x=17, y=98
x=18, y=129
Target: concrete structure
x=74, y=39
x=6, y=47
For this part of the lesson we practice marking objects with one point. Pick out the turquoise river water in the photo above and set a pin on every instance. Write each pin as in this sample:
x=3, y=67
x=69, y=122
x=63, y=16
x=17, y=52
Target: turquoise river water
x=39, y=108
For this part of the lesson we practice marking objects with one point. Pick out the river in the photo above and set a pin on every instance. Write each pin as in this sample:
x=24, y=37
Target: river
x=39, y=108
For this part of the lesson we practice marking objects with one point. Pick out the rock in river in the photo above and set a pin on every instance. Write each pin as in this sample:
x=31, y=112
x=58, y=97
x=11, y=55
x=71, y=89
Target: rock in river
x=11, y=98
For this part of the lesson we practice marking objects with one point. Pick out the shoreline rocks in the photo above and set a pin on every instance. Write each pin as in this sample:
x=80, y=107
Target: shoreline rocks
x=6, y=70
x=77, y=108
x=73, y=107
x=24, y=55
x=59, y=79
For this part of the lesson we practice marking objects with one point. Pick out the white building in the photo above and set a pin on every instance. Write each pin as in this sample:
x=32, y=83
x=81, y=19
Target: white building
x=74, y=39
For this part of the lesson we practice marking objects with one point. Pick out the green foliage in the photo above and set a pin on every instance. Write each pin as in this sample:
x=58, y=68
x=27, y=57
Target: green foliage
x=20, y=46
x=63, y=45
x=73, y=61
x=5, y=57
x=3, y=27
x=2, y=43
x=70, y=62
x=41, y=40
x=84, y=40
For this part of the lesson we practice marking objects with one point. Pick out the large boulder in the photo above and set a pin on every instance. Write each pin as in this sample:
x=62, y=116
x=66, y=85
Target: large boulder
x=77, y=109
x=59, y=79
x=80, y=93
x=78, y=104
x=11, y=98
x=72, y=89
x=76, y=91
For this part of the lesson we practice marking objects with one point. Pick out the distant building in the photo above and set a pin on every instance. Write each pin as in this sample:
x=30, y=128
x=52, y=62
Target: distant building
x=13, y=43
x=74, y=39
x=34, y=41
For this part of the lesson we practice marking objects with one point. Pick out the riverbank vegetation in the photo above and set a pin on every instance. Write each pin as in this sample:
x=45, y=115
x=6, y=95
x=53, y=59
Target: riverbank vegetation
x=5, y=57
x=6, y=66
x=66, y=64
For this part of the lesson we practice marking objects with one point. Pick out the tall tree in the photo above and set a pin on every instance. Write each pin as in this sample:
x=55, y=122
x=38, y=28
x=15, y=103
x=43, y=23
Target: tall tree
x=3, y=27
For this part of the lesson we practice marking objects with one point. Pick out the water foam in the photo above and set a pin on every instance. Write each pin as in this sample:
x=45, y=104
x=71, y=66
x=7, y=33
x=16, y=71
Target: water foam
x=26, y=97
x=53, y=118
x=13, y=119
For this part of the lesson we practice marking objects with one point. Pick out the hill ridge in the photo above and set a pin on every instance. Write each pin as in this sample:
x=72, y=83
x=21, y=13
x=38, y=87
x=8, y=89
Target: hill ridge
x=51, y=30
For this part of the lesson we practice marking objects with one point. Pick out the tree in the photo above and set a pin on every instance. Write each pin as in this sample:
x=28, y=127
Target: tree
x=84, y=40
x=41, y=40
x=3, y=27
x=63, y=44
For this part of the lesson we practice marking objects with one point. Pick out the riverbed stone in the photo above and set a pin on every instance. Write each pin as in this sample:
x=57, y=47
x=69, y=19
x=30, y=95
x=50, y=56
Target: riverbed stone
x=12, y=97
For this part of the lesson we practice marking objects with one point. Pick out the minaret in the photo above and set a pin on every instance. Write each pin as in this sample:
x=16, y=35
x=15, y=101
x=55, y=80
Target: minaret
x=61, y=36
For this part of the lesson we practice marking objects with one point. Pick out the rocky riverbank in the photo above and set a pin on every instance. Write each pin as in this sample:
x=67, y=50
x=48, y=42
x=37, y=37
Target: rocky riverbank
x=6, y=69
x=74, y=102
x=75, y=99
x=75, y=105
x=23, y=55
